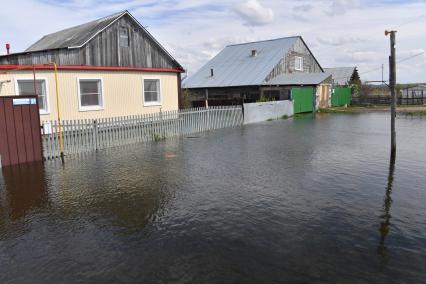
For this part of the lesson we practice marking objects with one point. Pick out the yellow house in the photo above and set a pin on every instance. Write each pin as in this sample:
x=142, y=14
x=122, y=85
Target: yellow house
x=106, y=68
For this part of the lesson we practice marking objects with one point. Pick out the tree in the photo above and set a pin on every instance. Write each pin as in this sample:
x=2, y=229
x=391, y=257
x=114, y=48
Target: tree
x=355, y=83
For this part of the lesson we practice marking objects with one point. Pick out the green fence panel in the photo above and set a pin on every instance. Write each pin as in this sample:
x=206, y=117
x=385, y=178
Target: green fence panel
x=341, y=96
x=303, y=99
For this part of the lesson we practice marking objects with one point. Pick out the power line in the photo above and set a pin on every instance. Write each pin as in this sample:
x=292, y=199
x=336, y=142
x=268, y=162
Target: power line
x=412, y=56
x=409, y=21
x=380, y=67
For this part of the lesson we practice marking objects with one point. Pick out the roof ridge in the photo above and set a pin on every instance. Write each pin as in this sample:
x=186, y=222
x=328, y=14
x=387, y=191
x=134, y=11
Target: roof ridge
x=112, y=16
x=258, y=41
x=340, y=67
x=95, y=20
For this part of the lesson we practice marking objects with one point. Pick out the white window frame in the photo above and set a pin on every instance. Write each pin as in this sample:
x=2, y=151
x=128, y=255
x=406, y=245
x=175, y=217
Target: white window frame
x=90, y=108
x=159, y=102
x=297, y=60
x=120, y=38
x=46, y=83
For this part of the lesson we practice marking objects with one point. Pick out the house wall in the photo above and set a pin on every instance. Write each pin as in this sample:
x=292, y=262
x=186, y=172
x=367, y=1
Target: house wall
x=122, y=92
x=287, y=64
x=104, y=50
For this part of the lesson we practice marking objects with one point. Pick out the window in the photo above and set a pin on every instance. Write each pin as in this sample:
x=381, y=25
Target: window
x=90, y=94
x=151, y=92
x=124, y=37
x=298, y=64
x=25, y=87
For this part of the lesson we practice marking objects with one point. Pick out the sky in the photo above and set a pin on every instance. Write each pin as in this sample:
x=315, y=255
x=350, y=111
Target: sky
x=338, y=32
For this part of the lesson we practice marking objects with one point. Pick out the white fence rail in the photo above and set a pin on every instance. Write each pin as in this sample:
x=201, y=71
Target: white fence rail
x=81, y=136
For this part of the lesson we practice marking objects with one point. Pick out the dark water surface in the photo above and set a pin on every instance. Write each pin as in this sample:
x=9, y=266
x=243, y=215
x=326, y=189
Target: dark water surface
x=298, y=200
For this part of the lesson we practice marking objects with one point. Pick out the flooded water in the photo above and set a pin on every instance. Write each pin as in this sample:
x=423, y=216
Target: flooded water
x=299, y=200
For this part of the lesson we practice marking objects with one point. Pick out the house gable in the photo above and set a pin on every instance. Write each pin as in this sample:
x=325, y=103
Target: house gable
x=100, y=48
x=287, y=64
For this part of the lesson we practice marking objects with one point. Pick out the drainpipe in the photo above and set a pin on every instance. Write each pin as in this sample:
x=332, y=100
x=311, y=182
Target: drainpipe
x=34, y=81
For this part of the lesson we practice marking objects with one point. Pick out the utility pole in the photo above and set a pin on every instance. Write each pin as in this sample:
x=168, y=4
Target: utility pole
x=382, y=73
x=392, y=82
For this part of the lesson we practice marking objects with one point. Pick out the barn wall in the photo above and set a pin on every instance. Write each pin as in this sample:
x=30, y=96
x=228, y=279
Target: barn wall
x=309, y=63
x=287, y=64
x=104, y=50
x=122, y=92
x=224, y=96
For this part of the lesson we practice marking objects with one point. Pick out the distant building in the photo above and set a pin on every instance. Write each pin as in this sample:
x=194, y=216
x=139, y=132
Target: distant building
x=108, y=67
x=342, y=76
x=414, y=92
x=248, y=71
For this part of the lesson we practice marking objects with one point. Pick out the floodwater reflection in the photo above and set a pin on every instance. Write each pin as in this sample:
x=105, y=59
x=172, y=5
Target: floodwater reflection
x=24, y=189
x=385, y=224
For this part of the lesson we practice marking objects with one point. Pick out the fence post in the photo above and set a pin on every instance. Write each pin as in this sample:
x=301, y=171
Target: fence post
x=95, y=135
x=163, y=135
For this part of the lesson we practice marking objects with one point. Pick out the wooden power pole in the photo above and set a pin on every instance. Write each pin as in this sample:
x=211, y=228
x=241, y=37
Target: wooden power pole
x=392, y=82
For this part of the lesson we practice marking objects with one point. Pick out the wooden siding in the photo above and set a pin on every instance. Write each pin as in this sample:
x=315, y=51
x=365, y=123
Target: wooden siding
x=287, y=64
x=104, y=50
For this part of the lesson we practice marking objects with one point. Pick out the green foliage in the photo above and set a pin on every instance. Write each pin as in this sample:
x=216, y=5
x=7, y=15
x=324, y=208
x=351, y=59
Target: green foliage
x=355, y=83
x=187, y=98
x=284, y=116
x=270, y=119
x=264, y=99
x=157, y=137
x=416, y=113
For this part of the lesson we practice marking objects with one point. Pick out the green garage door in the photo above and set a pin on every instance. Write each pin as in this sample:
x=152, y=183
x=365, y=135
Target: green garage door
x=341, y=96
x=303, y=99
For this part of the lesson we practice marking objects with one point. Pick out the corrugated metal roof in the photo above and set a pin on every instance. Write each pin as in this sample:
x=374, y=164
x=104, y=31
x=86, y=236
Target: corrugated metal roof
x=298, y=79
x=341, y=75
x=234, y=65
x=75, y=36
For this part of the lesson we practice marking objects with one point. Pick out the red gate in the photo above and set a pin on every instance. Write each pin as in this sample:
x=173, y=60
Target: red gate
x=20, y=133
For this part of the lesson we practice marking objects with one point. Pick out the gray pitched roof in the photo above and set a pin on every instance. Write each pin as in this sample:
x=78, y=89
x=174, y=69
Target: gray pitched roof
x=234, y=65
x=341, y=75
x=299, y=79
x=75, y=36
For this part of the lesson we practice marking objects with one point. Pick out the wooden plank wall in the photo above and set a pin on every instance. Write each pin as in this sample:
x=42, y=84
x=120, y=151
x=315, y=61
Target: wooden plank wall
x=104, y=50
x=287, y=64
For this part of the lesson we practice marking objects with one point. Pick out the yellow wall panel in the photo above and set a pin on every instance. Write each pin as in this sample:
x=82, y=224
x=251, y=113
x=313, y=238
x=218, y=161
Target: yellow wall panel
x=122, y=92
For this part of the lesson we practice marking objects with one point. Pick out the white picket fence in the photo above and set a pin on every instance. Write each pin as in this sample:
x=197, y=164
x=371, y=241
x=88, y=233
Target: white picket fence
x=80, y=136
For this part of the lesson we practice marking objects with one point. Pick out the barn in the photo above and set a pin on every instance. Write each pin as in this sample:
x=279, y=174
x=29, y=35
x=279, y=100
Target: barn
x=105, y=68
x=258, y=71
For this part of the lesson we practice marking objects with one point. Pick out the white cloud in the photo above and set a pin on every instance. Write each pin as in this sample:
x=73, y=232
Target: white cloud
x=340, y=7
x=339, y=40
x=253, y=13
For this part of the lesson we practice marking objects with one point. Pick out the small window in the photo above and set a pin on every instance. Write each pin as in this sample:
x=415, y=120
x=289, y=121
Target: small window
x=124, y=37
x=152, y=92
x=298, y=64
x=26, y=88
x=90, y=94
